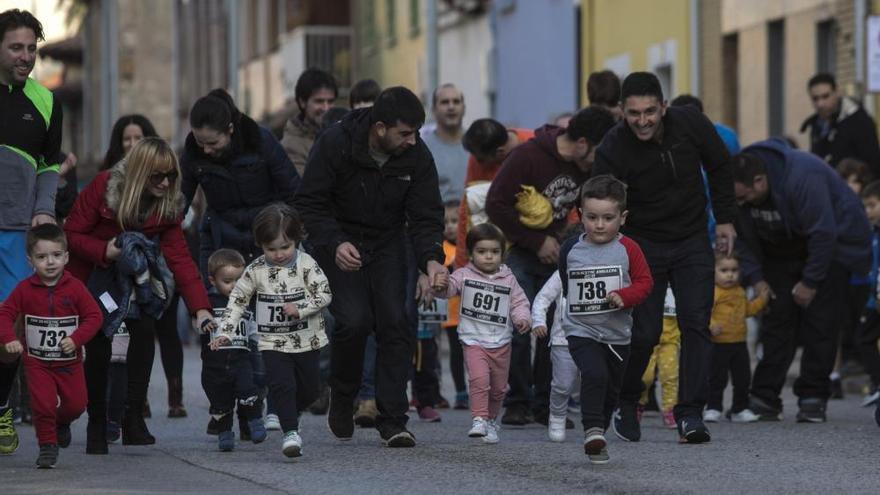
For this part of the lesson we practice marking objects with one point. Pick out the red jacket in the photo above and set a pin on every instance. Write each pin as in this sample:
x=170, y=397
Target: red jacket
x=69, y=297
x=92, y=223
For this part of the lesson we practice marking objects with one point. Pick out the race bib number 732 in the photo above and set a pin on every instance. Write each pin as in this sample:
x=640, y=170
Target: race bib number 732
x=44, y=336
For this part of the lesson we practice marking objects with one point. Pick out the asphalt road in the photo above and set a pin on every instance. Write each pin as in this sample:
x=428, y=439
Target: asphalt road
x=840, y=456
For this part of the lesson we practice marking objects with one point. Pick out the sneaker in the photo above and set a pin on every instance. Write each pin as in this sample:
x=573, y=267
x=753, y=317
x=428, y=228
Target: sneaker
x=429, y=415
x=461, y=401
x=397, y=437
x=291, y=444
x=48, y=456
x=811, y=410
x=601, y=458
x=836, y=388
x=365, y=417
x=212, y=429
x=711, y=415
x=340, y=418
x=491, y=432
x=114, y=432
x=62, y=435
x=478, y=428
x=625, y=423
x=272, y=422
x=514, y=416
x=692, y=430
x=872, y=398
x=764, y=410
x=556, y=428
x=594, y=442
x=744, y=416
x=8, y=436
x=542, y=417
x=257, y=430
x=442, y=403
x=668, y=418
x=226, y=441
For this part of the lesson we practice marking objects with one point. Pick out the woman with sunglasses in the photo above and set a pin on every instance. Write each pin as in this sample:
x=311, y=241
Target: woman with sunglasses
x=139, y=194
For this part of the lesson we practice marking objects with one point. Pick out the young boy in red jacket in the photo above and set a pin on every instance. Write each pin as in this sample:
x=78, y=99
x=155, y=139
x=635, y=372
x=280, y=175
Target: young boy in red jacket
x=60, y=316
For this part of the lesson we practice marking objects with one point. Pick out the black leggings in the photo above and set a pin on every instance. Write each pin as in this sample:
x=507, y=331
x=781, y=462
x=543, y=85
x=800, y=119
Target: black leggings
x=170, y=348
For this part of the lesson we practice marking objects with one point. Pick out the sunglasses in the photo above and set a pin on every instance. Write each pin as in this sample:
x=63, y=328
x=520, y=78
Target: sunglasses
x=158, y=178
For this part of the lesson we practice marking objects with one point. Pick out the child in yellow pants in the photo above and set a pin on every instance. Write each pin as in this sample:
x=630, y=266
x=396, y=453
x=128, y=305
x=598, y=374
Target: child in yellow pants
x=664, y=363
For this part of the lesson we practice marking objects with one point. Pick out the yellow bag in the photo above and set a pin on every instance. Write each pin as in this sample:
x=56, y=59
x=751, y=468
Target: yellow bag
x=535, y=211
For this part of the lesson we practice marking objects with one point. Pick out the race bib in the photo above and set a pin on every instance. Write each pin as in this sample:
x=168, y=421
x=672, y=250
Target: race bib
x=486, y=302
x=44, y=336
x=435, y=313
x=588, y=289
x=239, y=338
x=270, y=313
x=669, y=303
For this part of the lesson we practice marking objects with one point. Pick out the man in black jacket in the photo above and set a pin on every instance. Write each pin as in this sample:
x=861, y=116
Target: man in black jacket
x=840, y=128
x=658, y=152
x=369, y=182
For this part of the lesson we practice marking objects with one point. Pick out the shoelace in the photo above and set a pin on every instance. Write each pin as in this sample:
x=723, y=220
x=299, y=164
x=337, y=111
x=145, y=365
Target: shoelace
x=6, y=427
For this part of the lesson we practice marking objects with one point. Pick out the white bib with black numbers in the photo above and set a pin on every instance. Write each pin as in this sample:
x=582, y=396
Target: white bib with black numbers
x=588, y=289
x=435, y=313
x=239, y=338
x=485, y=302
x=270, y=313
x=44, y=336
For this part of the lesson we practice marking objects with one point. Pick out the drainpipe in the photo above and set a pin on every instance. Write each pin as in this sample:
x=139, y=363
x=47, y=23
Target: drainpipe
x=433, y=52
x=110, y=41
x=232, y=36
x=694, y=25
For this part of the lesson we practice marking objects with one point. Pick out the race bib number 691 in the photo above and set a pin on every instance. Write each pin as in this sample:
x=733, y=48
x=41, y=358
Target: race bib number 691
x=486, y=302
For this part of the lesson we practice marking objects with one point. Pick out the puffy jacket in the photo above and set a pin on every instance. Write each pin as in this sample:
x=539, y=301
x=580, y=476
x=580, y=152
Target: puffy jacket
x=92, y=222
x=346, y=197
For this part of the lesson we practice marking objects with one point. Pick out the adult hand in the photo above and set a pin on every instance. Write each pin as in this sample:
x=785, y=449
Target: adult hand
x=41, y=218
x=219, y=342
x=725, y=237
x=615, y=300
x=802, y=294
x=540, y=331
x=438, y=276
x=291, y=310
x=521, y=326
x=13, y=347
x=68, y=164
x=424, y=293
x=68, y=346
x=549, y=252
x=348, y=259
x=112, y=252
x=205, y=319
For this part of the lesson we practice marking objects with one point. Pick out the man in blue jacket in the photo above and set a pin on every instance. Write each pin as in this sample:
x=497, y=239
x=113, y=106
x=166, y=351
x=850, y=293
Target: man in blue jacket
x=802, y=231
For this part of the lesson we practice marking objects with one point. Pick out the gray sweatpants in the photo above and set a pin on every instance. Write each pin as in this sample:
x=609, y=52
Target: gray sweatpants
x=565, y=379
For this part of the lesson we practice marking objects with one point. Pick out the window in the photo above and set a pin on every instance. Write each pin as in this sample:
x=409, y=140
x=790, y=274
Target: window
x=730, y=81
x=414, y=16
x=391, y=21
x=369, y=23
x=826, y=46
x=776, y=77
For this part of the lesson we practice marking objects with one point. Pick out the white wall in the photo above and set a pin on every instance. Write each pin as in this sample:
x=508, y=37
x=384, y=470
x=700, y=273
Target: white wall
x=464, y=45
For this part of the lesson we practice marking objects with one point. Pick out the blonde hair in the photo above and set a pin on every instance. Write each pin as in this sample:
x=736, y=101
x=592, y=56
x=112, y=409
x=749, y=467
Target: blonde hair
x=149, y=155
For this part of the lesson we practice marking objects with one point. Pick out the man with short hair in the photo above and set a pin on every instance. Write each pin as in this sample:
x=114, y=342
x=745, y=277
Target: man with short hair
x=315, y=93
x=659, y=153
x=30, y=143
x=363, y=94
x=444, y=140
x=603, y=89
x=370, y=183
x=554, y=164
x=803, y=232
x=840, y=128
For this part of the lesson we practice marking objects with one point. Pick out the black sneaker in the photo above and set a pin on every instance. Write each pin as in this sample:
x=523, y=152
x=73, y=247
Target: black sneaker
x=213, y=427
x=692, y=430
x=811, y=411
x=62, y=434
x=48, y=456
x=514, y=416
x=396, y=436
x=764, y=410
x=340, y=417
x=542, y=417
x=837, y=388
x=625, y=423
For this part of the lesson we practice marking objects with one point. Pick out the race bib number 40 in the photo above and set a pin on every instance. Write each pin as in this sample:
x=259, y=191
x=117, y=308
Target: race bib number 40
x=239, y=338
x=588, y=289
x=44, y=336
x=270, y=313
x=486, y=302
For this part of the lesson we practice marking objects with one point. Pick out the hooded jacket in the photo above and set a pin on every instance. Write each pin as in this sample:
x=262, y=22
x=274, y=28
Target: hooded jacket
x=665, y=193
x=298, y=139
x=92, y=222
x=535, y=163
x=852, y=134
x=814, y=203
x=346, y=197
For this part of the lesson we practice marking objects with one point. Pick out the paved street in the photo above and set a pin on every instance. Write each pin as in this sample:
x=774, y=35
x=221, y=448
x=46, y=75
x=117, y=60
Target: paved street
x=840, y=456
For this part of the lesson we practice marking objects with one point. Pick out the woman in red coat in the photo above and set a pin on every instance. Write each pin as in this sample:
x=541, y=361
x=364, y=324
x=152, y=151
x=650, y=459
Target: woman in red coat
x=140, y=194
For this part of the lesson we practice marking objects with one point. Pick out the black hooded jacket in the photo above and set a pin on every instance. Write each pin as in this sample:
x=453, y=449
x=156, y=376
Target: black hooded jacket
x=346, y=197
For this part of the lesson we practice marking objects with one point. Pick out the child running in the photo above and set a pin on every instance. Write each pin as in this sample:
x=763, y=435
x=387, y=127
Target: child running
x=60, y=316
x=604, y=274
x=492, y=305
x=291, y=290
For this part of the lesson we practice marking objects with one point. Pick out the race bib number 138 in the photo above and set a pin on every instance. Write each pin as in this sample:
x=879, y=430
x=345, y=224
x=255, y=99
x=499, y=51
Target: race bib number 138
x=588, y=289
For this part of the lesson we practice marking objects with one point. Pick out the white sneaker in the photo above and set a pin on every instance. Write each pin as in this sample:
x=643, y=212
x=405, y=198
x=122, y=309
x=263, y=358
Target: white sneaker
x=556, y=428
x=478, y=428
x=291, y=445
x=744, y=416
x=271, y=422
x=712, y=415
x=491, y=432
x=871, y=399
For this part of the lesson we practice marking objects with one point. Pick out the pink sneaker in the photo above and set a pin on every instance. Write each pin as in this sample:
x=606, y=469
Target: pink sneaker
x=429, y=415
x=668, y=419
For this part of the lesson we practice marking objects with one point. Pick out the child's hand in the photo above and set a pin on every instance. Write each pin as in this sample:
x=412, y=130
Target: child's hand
x=206, y=321
x=715, y=330
x=68, y=346
x=291, y=310
x=13, y=347
x=615, y=300
x=521, y=326
x=540, y=331
x=220, y=341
